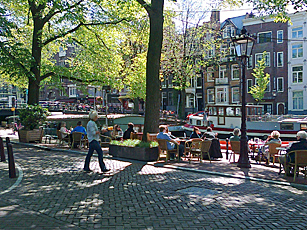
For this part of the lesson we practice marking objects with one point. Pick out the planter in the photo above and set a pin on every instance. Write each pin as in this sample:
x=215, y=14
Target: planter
x=30, y=135
x=134, y=153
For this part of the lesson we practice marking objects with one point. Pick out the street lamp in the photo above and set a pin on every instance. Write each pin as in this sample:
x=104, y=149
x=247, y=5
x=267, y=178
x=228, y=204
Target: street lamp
x=243, y=47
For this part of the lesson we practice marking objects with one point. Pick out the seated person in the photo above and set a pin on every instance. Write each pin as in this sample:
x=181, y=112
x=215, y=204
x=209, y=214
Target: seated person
x=273, y=138
x=117, y=132
x=209, y=133
x=163, y=134
x=301, y=144
x=236, y=135
x=64, y=131
x=128, y=131
x=79, y=128
x=196, y=133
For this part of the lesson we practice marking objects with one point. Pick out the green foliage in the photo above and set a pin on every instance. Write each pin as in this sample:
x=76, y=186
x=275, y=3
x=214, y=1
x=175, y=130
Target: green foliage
x=262, y=80
x=135, y=143
x=33, y=116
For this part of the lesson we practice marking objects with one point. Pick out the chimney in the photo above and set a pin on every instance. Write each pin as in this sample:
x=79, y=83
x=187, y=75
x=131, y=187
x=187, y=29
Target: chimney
x=215, y=16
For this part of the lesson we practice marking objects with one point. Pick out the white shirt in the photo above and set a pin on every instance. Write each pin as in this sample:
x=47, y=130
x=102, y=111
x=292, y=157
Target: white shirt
x=91, y=131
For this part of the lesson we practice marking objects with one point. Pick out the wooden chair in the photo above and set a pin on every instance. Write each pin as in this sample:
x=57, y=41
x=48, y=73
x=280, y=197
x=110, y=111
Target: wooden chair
x=163, y=148
x=235, y=147
x=195, y=148
x=61, y=139
x=151, y=137
x=300, y=161
x=77, y=138
x=273, y=151
x=205, y=146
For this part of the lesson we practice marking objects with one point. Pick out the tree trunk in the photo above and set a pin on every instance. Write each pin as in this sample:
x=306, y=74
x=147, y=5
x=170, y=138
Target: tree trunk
x=34, y=81
x=153, y=99
x=136, y=106
x=182, y=104
x=33, y=92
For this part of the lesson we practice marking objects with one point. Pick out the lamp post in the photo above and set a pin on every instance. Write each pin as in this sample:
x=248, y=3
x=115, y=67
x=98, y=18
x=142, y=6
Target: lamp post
x=243, y=47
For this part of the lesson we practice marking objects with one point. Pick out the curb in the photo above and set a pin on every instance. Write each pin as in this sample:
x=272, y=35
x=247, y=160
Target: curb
x=176, y=167
x=17, y=182
x=302, y=186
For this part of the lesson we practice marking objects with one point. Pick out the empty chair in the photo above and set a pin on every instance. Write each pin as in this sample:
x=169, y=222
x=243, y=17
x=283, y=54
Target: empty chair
x=151, y=137
x=195, y=148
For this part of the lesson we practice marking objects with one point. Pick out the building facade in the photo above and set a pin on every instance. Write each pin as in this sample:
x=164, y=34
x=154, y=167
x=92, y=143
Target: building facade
x=297, y=63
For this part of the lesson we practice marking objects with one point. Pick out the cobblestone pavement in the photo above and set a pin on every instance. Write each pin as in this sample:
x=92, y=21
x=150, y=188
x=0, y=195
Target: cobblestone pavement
x=56, y=194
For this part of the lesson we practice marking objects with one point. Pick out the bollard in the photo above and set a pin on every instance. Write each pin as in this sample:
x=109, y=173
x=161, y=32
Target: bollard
x=227, y=149
x=2, y=150
x=7, y=140
x=12, y=171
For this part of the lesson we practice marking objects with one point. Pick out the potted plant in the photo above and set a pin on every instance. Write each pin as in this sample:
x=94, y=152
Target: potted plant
x=30, y=118
x=135, y=149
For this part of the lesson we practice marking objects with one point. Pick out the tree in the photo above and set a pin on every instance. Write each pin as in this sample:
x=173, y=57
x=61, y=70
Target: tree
x=155, y=13
x=191, y=49
x=40, y=27
x=262, y=79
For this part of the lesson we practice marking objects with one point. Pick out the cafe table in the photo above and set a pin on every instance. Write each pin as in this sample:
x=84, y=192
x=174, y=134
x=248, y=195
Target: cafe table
x=255, y=144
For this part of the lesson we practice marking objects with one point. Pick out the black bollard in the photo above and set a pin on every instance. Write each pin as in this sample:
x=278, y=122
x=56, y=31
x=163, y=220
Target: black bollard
x=227, y=149
x=7, y=140
x=12, y=170
x=2, y=150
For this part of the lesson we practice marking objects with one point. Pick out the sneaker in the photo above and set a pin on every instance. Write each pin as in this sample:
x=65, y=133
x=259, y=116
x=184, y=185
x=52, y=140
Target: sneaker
x=106, y=170
x=87, y=170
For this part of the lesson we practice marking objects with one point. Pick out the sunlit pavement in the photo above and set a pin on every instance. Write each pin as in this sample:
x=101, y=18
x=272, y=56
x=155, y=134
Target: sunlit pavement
x=55, y=193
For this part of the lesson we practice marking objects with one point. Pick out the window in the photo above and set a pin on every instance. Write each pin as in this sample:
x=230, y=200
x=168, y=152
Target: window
x=170, y=99
x=235, y=95
x=297, y=100
x=72, y=91
x=235, y=72
x=280, y=59
x=221, y=95
x=192, y=82
x=280, y=84
x=258, y=57
x=249, y=84
x=297, y=32
x=190, y=101
x=232, y=50
x=280, y=36
x=210, y=74
x=297, y=50
x=164, y=99
x=199, y=81
x=222, y=73
x=210, y=95
x=163, y=83
x=264, y=37
x=249, y=62
x=228, y=32
x=297, y=74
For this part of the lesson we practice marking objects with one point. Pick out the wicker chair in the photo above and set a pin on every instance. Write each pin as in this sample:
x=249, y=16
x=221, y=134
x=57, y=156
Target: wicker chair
x=61, y=139
x=163, y=148
x=300, y=160
x=273, y=151
x=77, y=138
x=235, y=147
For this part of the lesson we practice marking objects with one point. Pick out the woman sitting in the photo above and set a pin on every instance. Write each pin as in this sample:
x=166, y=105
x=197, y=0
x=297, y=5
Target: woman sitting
x=196, y=133
x=273, y=138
